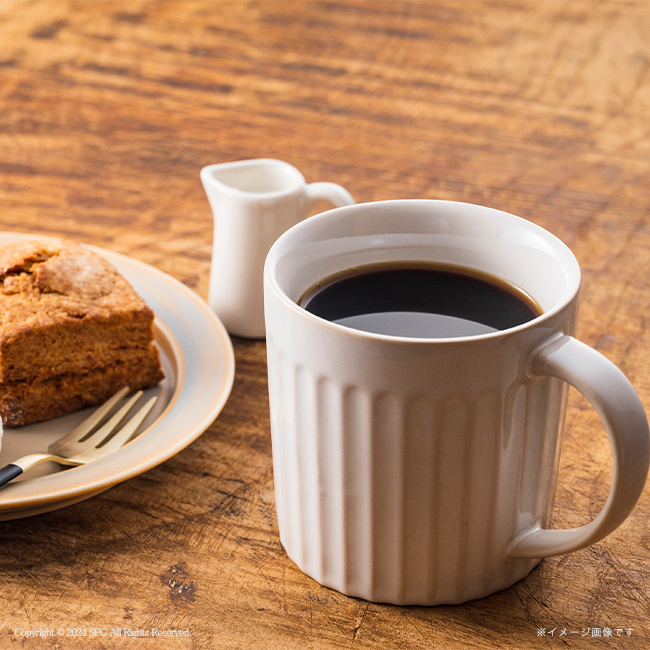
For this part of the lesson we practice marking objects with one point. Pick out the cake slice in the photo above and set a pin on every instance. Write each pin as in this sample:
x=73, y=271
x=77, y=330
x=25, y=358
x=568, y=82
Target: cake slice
x=72, y=331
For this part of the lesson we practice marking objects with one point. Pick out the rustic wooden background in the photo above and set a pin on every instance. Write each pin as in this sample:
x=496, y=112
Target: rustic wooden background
x=108, y=110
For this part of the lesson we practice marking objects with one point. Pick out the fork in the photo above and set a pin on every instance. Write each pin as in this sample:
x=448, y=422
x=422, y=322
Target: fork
x=86, y=443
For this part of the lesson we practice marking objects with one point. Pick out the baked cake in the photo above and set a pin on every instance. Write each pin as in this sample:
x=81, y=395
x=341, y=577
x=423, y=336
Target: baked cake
x=72, y=331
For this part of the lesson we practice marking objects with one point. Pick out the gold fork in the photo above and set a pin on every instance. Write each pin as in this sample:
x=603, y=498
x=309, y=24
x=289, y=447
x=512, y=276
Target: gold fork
x=86, y=443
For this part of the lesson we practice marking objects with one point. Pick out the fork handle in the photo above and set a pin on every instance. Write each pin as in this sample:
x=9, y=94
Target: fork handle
x=9, y=473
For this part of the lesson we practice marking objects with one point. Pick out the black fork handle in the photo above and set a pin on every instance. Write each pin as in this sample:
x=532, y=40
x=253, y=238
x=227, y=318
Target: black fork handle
x=9, y=473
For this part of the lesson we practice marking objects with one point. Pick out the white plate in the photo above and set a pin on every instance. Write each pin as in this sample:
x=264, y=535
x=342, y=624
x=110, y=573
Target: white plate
x=199, y=365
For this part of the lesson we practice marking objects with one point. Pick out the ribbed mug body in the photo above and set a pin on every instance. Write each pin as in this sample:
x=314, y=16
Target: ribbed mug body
x=402, y=476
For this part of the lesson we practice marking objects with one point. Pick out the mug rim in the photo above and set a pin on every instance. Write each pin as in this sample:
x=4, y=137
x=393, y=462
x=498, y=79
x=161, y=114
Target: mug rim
x=273, y=256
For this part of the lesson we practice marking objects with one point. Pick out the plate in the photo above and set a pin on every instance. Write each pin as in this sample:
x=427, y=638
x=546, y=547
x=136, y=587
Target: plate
x=199, y=363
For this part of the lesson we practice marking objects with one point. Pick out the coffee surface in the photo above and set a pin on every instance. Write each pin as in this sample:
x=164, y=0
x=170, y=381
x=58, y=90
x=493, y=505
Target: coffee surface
x=421, y=300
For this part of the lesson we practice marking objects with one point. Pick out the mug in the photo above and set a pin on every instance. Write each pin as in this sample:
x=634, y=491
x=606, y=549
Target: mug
x=420, y=471
x=253, y=203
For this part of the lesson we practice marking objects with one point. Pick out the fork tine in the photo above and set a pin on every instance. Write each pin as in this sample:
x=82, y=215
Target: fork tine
x=73, y=441
x=121, y=437
x=83, y=431
x=103, y=434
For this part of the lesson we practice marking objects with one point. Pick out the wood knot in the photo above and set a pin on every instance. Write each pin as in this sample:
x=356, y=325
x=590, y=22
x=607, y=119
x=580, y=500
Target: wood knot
x=181, y=586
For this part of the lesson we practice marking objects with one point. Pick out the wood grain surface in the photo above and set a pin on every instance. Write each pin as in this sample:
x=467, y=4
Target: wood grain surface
x=108, y=110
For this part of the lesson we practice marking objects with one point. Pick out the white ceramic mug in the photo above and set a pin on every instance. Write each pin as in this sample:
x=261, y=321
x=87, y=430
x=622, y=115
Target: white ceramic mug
x=253, y=202
x=423, y=471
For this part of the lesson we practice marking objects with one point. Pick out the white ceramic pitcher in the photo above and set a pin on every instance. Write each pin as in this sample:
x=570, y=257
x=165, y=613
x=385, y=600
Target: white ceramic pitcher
x=253, y=203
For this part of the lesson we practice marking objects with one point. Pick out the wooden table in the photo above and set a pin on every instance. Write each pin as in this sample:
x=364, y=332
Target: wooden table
x=108, y=110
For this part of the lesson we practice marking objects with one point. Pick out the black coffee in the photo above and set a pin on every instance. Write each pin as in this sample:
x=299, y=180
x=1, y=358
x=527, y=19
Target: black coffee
x=419, y=300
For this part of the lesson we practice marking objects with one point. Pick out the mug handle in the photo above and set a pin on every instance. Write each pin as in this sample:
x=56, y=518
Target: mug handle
x=620, y=408
x=331, y=192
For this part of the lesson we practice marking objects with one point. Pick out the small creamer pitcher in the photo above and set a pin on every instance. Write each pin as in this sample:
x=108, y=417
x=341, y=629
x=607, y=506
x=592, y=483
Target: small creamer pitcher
x=253, y=203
